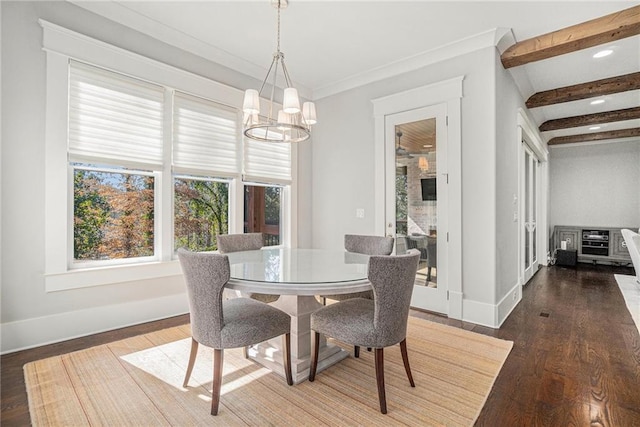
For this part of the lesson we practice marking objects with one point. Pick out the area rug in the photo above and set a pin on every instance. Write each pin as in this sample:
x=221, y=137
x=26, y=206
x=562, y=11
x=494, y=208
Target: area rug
x=631, y=292
x=138, y=382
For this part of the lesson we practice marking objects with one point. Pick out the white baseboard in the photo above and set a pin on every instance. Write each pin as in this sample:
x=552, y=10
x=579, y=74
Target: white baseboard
x=508, y=303
x=29, y=333
x=479, y=313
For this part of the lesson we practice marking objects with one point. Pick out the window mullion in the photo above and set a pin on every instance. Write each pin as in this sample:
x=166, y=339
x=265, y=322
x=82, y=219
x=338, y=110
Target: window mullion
x=164, y=224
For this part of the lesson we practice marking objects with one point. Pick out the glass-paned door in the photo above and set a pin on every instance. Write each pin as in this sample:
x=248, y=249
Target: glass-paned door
x=417, y=198
x=529, y=194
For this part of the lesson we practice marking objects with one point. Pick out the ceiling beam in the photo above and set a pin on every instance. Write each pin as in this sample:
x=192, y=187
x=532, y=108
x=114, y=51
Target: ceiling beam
x=596, y=136
x=591, y=119
x=606, y=29
x=592, y=89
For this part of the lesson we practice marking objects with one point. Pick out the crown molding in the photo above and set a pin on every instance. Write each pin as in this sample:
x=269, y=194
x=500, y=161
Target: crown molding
x=490, y=38
x=121, y=14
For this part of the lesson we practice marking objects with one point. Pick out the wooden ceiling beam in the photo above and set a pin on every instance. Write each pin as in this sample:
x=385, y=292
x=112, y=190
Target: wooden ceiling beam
x=596, y=136
x=592, y=89
x=591, y=119
x=606, y=29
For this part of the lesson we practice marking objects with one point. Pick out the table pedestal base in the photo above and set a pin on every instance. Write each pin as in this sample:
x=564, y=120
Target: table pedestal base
x=269, y=353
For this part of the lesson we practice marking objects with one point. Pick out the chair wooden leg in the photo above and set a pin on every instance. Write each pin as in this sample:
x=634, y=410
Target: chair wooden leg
x=314, y=356
x=356, y=351
x=192, y=361
x=405, y=359
x=245, y=352
x=379, y=359
x=218, y=356
x=428, y=274
x=286, y=357
x=324, y=301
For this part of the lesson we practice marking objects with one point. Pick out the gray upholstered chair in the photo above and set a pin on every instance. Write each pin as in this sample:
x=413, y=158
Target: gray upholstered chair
x=368, y=245
x=221, y=324
x=377, y=323
x=228, y=243
x=632, y=240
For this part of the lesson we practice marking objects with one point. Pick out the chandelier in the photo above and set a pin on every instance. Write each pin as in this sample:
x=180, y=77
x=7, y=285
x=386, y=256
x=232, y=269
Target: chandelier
x=291, y=123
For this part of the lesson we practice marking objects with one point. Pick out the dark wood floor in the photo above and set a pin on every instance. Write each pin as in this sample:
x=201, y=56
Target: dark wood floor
x=575, y=360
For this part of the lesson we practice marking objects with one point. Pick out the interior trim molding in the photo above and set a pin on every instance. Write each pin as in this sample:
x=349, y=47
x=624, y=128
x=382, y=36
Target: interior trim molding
x=34, y=332
x=479, y=41
x=448, y=92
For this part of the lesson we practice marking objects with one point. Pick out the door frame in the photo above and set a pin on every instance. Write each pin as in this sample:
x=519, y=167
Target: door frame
x=529, y=136
x=447, y=92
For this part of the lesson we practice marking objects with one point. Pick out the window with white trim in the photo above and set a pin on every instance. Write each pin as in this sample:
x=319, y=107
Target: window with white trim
x=122, y=172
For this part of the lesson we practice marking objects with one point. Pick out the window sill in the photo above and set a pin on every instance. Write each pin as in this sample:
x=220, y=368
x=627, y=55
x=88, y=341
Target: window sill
x=75, y=279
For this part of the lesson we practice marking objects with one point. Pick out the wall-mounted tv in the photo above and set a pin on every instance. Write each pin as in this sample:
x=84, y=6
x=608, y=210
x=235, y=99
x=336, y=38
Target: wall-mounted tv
x=429, y=189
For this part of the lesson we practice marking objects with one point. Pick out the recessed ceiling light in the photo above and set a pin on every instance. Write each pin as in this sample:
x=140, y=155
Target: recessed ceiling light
x=427, y=146
x=603, y=53
x=597, y=101
x=594, y=128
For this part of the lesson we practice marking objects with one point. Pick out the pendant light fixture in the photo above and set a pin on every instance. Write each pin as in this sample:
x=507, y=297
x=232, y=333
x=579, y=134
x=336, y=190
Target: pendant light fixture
x=292, y=123
x=423, y=164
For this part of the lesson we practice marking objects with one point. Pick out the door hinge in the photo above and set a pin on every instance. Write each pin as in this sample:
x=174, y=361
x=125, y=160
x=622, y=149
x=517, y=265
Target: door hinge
x=446, y=177
x=447, y=120
x=447, y=295
x=447, y=236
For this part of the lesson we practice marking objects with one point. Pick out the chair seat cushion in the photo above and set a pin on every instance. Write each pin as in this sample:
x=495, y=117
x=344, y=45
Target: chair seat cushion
x=349, y=321
x=248, y=322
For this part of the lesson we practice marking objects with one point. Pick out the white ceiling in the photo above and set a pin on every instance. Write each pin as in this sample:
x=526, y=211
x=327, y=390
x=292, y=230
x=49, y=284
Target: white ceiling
x=329, y=45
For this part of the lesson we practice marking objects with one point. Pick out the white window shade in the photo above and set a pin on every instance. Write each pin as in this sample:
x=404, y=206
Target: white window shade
x=205, y=136
x=114, y=118
x=264, y=161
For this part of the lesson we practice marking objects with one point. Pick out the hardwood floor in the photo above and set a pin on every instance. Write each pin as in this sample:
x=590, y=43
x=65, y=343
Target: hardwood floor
x=575, y=360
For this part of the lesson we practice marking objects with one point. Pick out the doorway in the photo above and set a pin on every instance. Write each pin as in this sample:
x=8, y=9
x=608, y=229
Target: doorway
x=530, y=212
x=416, y=194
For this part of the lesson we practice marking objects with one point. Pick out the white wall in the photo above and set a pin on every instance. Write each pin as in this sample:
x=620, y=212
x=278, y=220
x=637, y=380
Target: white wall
x=595, y=185
x=29, y=315
x=343, y=173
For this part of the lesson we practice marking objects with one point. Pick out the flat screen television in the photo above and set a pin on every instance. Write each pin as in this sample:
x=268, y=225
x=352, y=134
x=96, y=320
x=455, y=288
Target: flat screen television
x=429, y=189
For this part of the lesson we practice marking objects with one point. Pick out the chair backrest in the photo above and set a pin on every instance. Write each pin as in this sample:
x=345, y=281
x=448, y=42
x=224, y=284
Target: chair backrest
x=228, y=243
x=632, y=239
x=392, y=279
x=368, y=245
x=205, y=274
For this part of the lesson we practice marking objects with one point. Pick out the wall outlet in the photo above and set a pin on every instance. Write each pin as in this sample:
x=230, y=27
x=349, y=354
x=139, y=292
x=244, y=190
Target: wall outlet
x=359, y=213
x=515, y=295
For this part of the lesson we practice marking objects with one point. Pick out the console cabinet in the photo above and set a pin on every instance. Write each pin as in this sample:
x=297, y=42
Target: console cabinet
x=616, y=250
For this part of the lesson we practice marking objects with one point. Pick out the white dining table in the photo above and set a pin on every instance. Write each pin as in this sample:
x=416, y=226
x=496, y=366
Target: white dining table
x=298, y=275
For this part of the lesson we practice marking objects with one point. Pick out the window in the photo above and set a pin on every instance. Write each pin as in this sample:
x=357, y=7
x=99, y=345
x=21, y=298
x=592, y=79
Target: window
x=263, y=211
x=113, y=214
x=201, y=212
x=137, y=165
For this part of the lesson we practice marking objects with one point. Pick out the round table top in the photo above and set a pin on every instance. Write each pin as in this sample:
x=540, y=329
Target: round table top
x=290, y=271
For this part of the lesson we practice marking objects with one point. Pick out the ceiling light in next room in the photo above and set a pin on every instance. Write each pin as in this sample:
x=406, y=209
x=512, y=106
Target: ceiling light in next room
x=594, y=128
x=603, y=53
x=597, y=101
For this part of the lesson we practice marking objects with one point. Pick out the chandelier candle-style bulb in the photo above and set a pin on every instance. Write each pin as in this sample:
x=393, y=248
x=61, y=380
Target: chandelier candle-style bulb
x=309, y=113
x=251, y=104
x=291, y=103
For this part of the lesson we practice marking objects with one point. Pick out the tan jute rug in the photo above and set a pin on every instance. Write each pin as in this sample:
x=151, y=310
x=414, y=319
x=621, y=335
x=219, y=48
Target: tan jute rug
x=138, y=382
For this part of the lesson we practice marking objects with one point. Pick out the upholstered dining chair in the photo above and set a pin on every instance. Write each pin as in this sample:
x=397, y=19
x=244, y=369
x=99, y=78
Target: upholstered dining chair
x=222, y=324
x=432, y=255
x=228, y=243
x=377, y=323
x=368, y=245
x=632, y=240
